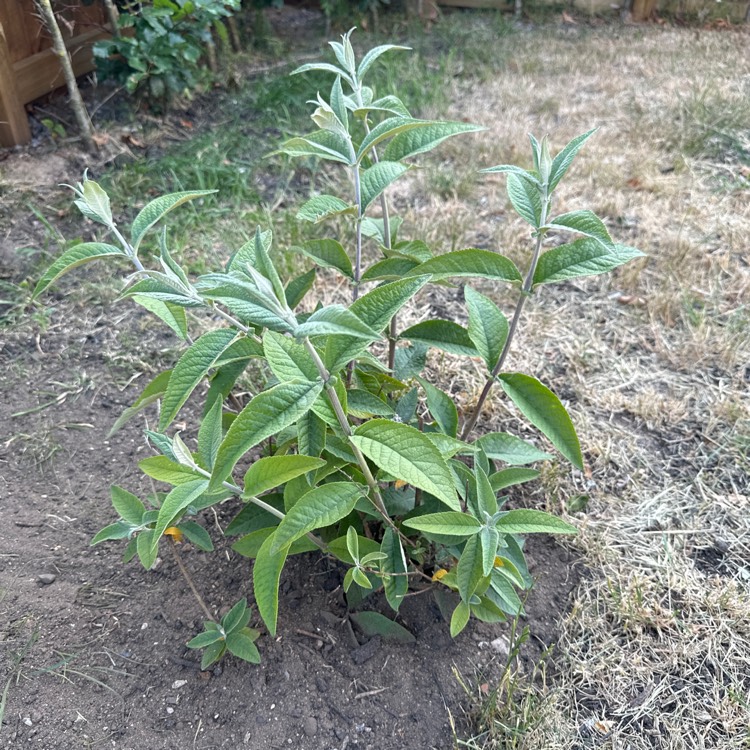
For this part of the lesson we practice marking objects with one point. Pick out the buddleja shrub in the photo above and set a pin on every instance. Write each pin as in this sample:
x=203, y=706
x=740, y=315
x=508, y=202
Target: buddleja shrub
x=369, y=462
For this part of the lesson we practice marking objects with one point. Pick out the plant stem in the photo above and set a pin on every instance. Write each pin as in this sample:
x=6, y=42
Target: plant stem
x=360, y=216
x=376, y=499
x=186, y=576
x=524, y=294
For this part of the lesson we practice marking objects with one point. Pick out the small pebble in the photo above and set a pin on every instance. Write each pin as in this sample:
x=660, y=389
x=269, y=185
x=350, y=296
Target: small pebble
x=310, y=726
x=177, y=684
x=46, y=578
x=27, y=720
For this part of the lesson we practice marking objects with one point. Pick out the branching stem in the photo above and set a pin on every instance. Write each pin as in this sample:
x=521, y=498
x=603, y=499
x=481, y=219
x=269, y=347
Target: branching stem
x=188, y=578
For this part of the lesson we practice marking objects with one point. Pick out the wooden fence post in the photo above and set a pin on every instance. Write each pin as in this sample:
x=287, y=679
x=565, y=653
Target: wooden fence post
x=14, y=125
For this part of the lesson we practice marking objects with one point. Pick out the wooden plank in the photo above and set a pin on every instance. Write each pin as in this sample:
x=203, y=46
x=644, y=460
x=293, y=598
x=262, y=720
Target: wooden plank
x=14, y=125
x=21, y=28
x=41, y=73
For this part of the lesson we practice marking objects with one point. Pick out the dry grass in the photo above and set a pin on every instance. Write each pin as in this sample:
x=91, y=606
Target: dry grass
x=652, y=361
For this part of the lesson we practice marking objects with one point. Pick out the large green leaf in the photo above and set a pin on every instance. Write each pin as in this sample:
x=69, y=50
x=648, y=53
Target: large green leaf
x=335, y=319
x=488, y=327
x=377, y=178
x=152, y=392
x=373, y=623
x=545, y=411
x=407, y=454
x=511, y=476
x=363, y=404
x=127, y=505
x=298, y=287
x=372, y=55
x=527, y=521
x=94, y=202
x=393, y=568
x=210, y=434
x=470, y=262
x=525, y=198
x=163, y=469
x=287, y=359
x=70, y=259
x=469, y=571
x=311, y=434
x=442, y=334
x=273, y=471
x=268, y=413
x=330, y=254
x=451, y=523
x=318, y=508
x=379, y=305
x=583, y=222
x=249, y=545
x=459, y=618
x=584, y=257
x=385, y=129
x=241, y=645
x=266, y=574
x=413, y=142
x=442, y=408
x=389, y=269
x=157, y=209
x=323, y=144
x=172, y=315
x=175, y=502
x=501, y=446
x=562, y=161
x=191, y=368
x=323, y=207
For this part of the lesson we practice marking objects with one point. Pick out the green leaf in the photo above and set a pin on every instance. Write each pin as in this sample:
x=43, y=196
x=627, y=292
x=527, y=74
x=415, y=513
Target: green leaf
x=210, y=434
x=488, y=542
x=363, y=404
x=509, y=477
x=488, y=327
x=512, y=168
x=459, y=618
x=583, y=222
x=196, y=534
x=273, y=471
x=335, y=319
x=486, y=500
x=266, y=574
x=455, y=524
x=241, y=645
x=425, y=139
x=339, y=549
x=205, y=639
x=94, y=202
x=373, y=623
x=329, y=254
x=173, y=315
x=377, y=178
x=501, y=446
x=212, y=654
x=337, y=103
x=175, y=502
x=298, y=287
x=372, y=55
x=390, y=104
x=318, y=508
x=470, y=262
x=323, y=144
x=127, y=505
x=153, y=391
x=157, y=209
x=70, y=259
x=387, y=129
x=526, y=521
x=442, y=408
x=389, y=269
x=525, y=199
x=146, y=549
x=405, y=453
x=410, y=361
x=268, y=413
x=287, y=359
x=119, y=530
x=378, y=306
x=392, y=567
x=250, y=544
x=323, y=207
x=469, y=571
x=442, y=334
x=584, y=257
x=311, y=434
x=163, y=469
x=327, y=67
x=563, y=160
x=191, y=368
x=236, y=618
x=544, y=410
